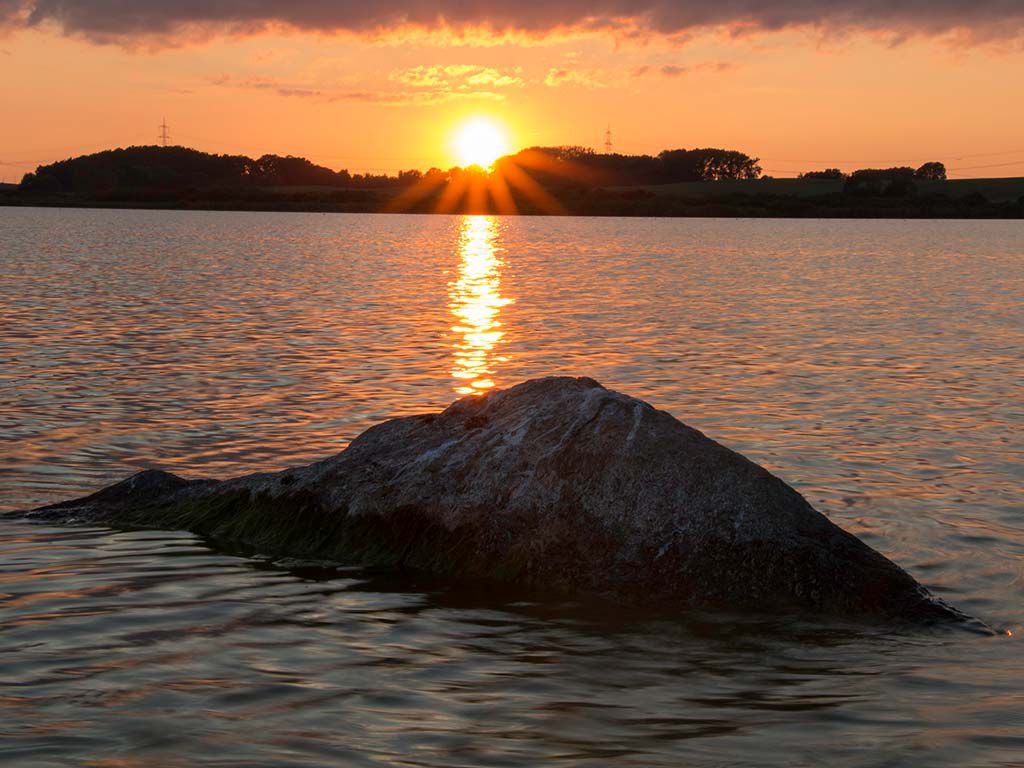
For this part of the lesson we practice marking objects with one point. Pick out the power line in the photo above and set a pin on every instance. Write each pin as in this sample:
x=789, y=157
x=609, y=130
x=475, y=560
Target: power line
x=608, y=139
x=993, y=165
x=990, y=154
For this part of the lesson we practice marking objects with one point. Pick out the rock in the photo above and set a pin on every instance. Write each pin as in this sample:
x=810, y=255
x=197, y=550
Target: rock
x=555, y=483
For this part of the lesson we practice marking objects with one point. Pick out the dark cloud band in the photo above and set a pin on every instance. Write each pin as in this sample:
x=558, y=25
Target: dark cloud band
x=125, y=19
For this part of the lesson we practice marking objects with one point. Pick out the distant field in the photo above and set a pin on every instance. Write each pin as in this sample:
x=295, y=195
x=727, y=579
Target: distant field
x=316, y=189
x=797, y=187
x=994, y=189
x=300, y=188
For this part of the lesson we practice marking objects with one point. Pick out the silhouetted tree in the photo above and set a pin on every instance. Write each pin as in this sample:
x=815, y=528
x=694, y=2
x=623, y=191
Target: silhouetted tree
x=573, y=166
x=931, y=172
x=292, y=171
x=707, y=165
x=886, y=174
x=408, y=178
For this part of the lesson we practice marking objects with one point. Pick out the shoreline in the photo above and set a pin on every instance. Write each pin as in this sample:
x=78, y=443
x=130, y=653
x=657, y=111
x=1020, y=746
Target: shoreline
x=748, y=208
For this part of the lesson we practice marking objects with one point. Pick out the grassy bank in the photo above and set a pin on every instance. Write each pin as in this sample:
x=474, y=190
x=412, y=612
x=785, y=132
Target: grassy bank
x=995, y=190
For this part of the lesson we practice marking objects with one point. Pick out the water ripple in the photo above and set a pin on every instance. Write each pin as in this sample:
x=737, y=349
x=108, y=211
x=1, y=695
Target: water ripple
x=877, y=366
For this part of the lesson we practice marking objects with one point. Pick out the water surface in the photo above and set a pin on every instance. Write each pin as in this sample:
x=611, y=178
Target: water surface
x=876, y=366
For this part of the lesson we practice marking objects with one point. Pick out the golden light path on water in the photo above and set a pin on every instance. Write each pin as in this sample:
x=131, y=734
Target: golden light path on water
x=475, y=301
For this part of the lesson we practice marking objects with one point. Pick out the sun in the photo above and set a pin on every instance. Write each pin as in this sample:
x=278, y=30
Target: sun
x=480, y=141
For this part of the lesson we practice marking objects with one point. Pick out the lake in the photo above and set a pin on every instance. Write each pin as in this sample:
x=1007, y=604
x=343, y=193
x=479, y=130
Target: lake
x=877, y=366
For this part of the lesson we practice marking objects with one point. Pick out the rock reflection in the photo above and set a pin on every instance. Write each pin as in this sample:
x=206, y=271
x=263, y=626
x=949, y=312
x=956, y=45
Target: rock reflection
x=476, y=302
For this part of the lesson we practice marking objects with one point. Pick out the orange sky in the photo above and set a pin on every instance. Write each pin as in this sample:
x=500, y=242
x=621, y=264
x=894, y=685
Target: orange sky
x=798, y=98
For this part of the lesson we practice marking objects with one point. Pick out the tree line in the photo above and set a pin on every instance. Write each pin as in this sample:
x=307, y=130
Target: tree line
x=150, y=172
x=583, y=166
x=882, y=181
x=153, y=170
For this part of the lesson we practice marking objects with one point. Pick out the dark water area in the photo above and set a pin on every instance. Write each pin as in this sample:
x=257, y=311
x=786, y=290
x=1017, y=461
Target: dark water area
x=876, y=366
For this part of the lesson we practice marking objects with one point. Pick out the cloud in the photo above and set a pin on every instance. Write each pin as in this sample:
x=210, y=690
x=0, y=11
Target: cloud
x=459, y=77
x=494, y=79
x=559, y=76
x=421, y=77
x=164, y=22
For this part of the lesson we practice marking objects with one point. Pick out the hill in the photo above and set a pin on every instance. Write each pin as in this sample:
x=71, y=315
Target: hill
x=150, y=172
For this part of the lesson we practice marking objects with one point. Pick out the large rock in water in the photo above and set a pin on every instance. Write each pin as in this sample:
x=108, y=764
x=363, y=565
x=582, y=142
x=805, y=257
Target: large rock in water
x=556, y=483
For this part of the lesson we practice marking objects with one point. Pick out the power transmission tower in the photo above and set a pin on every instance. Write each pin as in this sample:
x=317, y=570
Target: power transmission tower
x=608, y=140
x=164, y=135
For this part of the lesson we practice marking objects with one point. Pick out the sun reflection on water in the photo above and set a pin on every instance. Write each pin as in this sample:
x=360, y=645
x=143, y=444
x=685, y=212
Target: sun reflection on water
x=476, y=302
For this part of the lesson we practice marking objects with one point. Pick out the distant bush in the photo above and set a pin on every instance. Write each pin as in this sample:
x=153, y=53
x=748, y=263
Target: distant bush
x=893, y=182
x=828, y=173
x=883, y=174
x=900, y=188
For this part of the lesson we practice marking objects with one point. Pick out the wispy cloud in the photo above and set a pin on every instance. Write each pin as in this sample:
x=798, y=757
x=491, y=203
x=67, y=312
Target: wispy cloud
x=386, y=97
x=680, y=70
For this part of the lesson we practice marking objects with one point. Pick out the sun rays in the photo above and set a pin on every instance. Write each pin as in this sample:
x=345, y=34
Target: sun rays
x=491, y=179
x=514, y=184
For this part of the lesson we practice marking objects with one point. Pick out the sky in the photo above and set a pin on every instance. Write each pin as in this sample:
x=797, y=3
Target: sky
x=384, y=85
